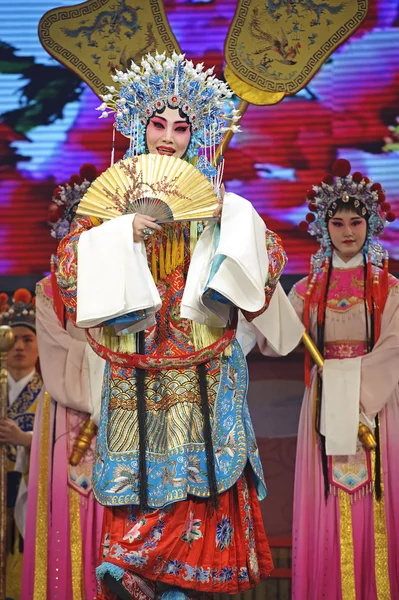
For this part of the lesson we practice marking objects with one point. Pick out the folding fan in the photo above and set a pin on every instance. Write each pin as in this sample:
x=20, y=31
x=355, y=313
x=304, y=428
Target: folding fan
x=160, y=186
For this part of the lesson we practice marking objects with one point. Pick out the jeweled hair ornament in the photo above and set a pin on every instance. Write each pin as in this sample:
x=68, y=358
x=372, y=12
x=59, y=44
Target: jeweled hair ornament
x=174, y=82
x=341, y=185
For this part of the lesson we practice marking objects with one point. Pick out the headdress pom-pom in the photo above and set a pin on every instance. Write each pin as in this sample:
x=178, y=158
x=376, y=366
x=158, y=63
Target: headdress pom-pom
x=3, y=299
x=54, y=213
x=328, y=179
x=88, y=171
x=357, y=177
x=303, y=225
x=75, y=178
x=22, y=295
x=341, y=167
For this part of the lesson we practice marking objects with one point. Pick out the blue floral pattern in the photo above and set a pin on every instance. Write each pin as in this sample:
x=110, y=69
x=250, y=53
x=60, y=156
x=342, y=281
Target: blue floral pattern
x=224, y=533
x=182, y=470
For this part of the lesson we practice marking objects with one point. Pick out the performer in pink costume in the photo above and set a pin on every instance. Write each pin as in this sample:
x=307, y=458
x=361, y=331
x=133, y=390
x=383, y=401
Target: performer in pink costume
x=346, y=508
x=71, y=550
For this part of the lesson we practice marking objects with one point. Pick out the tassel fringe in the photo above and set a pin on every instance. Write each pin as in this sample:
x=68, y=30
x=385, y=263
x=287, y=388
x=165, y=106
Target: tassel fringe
x=118, y=343
x=106, y=567
x=170, y=255
x=361, y=493
x=204, y=336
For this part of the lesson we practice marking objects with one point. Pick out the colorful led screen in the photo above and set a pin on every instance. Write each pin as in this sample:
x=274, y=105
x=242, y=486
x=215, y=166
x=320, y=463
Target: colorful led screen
x=49, y=126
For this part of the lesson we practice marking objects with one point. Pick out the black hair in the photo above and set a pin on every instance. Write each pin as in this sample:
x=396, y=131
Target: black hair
x=350, y=205
x=181, y=113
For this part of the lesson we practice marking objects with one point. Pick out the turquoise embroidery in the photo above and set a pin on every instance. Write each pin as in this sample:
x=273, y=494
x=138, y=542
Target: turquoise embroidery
x=182, y=469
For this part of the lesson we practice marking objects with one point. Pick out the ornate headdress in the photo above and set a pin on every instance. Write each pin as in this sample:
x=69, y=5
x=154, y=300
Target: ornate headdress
x=368, y=196
x=21, y=311
x=66, y=199
x=172, y=82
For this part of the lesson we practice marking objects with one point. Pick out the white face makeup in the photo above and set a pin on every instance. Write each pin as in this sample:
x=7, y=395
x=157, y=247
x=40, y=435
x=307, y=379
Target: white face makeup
x=167, y=133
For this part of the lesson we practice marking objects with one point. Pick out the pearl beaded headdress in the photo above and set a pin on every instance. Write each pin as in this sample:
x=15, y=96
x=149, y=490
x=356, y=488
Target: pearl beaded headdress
x=174, y=82
x=341, y=185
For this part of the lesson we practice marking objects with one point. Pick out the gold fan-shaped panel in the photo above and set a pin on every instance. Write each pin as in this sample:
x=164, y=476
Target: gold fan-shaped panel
x=160, y=186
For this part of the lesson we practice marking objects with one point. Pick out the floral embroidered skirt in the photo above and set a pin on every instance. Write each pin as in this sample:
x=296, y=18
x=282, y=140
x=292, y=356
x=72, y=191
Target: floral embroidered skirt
x=190, y=544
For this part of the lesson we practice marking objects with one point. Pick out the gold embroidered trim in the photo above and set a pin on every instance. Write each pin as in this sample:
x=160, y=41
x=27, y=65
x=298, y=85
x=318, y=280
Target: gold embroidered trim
x=347, y=552
x=166, y=403
x=76, y=546
x=380, y=542
x=335, y=342
x=41, y=543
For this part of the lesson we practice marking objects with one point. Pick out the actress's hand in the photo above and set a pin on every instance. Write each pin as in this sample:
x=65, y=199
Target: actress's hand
x=143, y=227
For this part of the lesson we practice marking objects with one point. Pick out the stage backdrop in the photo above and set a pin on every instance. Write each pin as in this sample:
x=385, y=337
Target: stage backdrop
x=48, y=125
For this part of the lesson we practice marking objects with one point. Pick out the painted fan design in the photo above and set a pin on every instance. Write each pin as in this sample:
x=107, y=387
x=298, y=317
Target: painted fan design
x=163, y=187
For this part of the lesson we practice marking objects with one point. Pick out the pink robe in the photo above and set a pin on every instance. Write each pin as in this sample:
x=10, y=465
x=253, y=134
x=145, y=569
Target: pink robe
x=65, y=374
x=316, y=527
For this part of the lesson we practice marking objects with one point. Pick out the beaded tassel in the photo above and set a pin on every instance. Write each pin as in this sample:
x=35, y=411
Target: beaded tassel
x=162, y=273
x=384, y=288
x=369, y=285
x=175, y=251
x=58, y=303
x=377, y=306
x=322, y=303
x=168, y=256
x=181, y=249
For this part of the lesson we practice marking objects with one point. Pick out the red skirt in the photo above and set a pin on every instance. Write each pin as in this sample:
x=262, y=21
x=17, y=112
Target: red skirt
x=190, y=544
